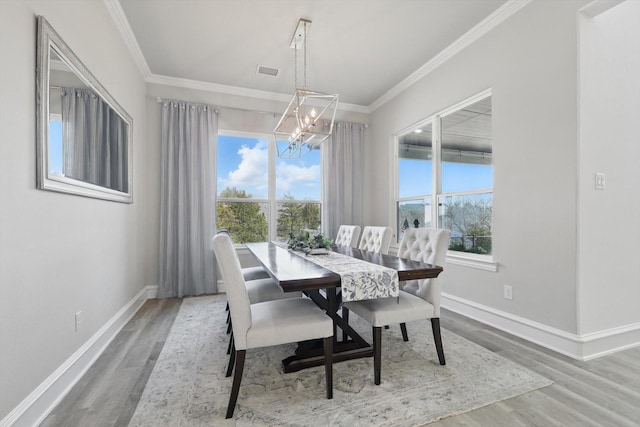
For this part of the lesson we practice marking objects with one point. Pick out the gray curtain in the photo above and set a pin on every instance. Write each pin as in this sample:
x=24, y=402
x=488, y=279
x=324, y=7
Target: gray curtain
x=187, y=265
x=343, y=179
x=95, y=140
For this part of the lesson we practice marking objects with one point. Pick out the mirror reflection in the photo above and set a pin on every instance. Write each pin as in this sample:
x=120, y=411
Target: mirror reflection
x=84, y=138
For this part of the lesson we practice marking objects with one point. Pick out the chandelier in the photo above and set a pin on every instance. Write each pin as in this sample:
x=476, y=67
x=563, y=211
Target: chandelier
x=308, y=119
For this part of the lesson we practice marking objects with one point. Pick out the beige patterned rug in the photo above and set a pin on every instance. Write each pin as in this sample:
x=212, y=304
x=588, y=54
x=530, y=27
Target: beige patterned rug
x=188, y=386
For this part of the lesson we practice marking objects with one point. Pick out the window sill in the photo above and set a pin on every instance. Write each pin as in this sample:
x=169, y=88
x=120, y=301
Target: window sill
x=481, y=262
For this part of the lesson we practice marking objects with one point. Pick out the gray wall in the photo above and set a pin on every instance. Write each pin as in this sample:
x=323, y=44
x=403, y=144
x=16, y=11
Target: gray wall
x=609, y=271
x=530, y=63
x=59, y=253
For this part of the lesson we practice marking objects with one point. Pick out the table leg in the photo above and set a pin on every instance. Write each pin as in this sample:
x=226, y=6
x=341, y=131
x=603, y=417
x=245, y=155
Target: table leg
x=311, y=353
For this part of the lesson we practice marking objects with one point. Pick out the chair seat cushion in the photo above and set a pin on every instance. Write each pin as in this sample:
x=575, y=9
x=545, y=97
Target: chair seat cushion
x=388, y=311
x=253, y=273
x=261, y=290
x=286, y=321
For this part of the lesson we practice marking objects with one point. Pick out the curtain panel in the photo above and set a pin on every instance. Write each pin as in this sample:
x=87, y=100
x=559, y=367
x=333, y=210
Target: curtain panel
x=187, y=223
x=343, y=179
x=95, y=140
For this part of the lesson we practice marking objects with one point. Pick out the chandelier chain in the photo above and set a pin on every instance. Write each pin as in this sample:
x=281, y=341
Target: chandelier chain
x=295, y=66
x=305, y=55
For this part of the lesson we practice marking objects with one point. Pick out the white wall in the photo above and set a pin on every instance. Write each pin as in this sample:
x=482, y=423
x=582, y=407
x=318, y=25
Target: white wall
x=609, y=235
x=59, y=253
x=530, y=63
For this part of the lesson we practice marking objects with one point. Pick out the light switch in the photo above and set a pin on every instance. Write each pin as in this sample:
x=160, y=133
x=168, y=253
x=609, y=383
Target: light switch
x=600, y=182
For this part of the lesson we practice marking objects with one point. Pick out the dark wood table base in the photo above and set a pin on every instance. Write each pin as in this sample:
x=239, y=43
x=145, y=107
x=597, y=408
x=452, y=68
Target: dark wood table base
x=311, y=353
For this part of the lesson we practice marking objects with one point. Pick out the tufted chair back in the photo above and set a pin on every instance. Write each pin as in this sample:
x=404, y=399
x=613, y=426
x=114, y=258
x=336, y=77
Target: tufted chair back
x=428, y=245
x=348, y=235
x=375, y=239
x=239, y=304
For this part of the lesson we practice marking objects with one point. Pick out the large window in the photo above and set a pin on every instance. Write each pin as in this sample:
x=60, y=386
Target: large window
x=445, y=176
x=261, y=197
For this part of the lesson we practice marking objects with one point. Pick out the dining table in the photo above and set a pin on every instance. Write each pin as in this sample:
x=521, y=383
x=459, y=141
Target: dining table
x=297, y=271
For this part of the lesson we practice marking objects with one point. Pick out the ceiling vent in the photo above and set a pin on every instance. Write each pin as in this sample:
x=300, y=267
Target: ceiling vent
x=267, y=71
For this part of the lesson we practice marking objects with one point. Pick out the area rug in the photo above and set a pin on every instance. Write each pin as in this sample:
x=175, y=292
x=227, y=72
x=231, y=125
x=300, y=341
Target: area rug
x=188, y=387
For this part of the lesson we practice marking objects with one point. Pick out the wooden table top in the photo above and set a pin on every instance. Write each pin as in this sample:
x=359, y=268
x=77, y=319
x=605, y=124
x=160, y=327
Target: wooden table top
x=295, y=273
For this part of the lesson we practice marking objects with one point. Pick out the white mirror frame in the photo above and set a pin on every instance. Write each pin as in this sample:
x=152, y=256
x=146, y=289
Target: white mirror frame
x=48, y=39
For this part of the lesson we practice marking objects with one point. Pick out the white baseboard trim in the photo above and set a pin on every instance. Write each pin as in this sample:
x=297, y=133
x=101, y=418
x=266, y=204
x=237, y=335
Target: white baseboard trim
x=152, y=292
x=580, y=347
x=37, y=405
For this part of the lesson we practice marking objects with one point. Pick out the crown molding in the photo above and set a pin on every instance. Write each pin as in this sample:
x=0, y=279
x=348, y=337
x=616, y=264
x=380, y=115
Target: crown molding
x=120, y=19
x=597, y=7
x=238, y=91
x=490, y=22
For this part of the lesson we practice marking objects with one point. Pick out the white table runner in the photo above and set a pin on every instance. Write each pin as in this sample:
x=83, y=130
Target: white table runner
x=360, y=280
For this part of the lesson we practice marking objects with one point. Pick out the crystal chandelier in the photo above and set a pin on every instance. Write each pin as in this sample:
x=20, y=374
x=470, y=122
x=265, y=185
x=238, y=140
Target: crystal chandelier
x=308, y=120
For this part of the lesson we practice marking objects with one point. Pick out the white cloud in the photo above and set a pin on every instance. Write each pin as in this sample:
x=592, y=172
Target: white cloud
x=251, y=172
x=292, y=177
x=251, y=175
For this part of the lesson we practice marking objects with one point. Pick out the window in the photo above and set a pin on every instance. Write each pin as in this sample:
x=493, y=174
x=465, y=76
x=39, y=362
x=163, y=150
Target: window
x=261, y=197
x=445, y=176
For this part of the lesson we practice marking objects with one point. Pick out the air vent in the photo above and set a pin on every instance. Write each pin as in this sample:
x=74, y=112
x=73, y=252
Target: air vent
x=267, y=71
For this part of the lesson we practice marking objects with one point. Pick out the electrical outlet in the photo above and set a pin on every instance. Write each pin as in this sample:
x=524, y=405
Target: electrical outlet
x=78, y=320
x=508, y=292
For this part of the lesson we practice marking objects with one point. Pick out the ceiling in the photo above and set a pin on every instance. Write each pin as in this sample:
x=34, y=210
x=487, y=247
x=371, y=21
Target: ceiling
x=359, y=49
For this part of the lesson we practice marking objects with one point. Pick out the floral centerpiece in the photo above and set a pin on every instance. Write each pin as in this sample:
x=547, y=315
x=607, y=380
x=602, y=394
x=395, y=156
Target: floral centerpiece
x=309, y=243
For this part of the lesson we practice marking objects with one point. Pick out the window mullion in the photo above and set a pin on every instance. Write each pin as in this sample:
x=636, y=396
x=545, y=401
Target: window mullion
x=437, y=170
x=272, y=189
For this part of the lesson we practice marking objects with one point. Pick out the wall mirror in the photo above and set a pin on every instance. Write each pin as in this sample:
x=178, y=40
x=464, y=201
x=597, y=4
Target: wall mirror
x=83, y=135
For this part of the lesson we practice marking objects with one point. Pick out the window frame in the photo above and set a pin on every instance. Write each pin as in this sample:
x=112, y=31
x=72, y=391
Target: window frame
x=468, y=259
x=271, y=200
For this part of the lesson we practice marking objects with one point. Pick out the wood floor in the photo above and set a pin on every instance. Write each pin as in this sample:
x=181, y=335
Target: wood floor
x=600, y=392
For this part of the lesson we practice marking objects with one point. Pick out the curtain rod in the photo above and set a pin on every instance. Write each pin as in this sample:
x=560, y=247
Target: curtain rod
x=245, y=110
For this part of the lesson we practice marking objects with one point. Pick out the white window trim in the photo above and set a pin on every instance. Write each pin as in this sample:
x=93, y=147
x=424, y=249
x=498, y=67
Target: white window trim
x=466, y=259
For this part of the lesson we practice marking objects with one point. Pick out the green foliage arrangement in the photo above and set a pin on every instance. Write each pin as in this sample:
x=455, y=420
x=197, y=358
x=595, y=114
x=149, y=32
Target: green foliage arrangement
x=305, y=242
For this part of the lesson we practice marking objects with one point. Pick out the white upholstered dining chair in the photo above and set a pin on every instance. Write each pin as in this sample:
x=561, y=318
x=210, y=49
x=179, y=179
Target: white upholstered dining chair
x=260, y=288
x=268, y=323
x=348, y=235
x=375, y=239
x=419, y=299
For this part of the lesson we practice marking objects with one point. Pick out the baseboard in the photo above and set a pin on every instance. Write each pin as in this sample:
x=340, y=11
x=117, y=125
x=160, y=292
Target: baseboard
x=580, y=347
x=152, y=292
x=35, y=407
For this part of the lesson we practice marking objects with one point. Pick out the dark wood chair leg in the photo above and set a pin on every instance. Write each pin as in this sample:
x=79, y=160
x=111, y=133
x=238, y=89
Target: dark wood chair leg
x=377, y=353
x=229, y=326
x=230, y=343
x=403, y=329
x=328, y=365
x=228, y=317
x=435, y=325
x=237, y=378
x=345, y=316
x=232, y=359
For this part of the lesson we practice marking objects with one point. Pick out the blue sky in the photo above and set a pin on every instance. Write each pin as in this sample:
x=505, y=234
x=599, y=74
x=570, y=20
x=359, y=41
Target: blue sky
x=242, y=163
x=55, y=146
x=415, y=177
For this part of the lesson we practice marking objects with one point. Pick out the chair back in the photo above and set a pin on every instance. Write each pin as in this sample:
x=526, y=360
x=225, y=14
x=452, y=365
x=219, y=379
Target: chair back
x=375, y=239
x=348, y=235
x=239, y=304
x=428, y=245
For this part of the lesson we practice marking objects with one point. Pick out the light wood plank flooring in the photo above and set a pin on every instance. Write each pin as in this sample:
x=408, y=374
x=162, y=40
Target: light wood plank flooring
x=600, y=392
